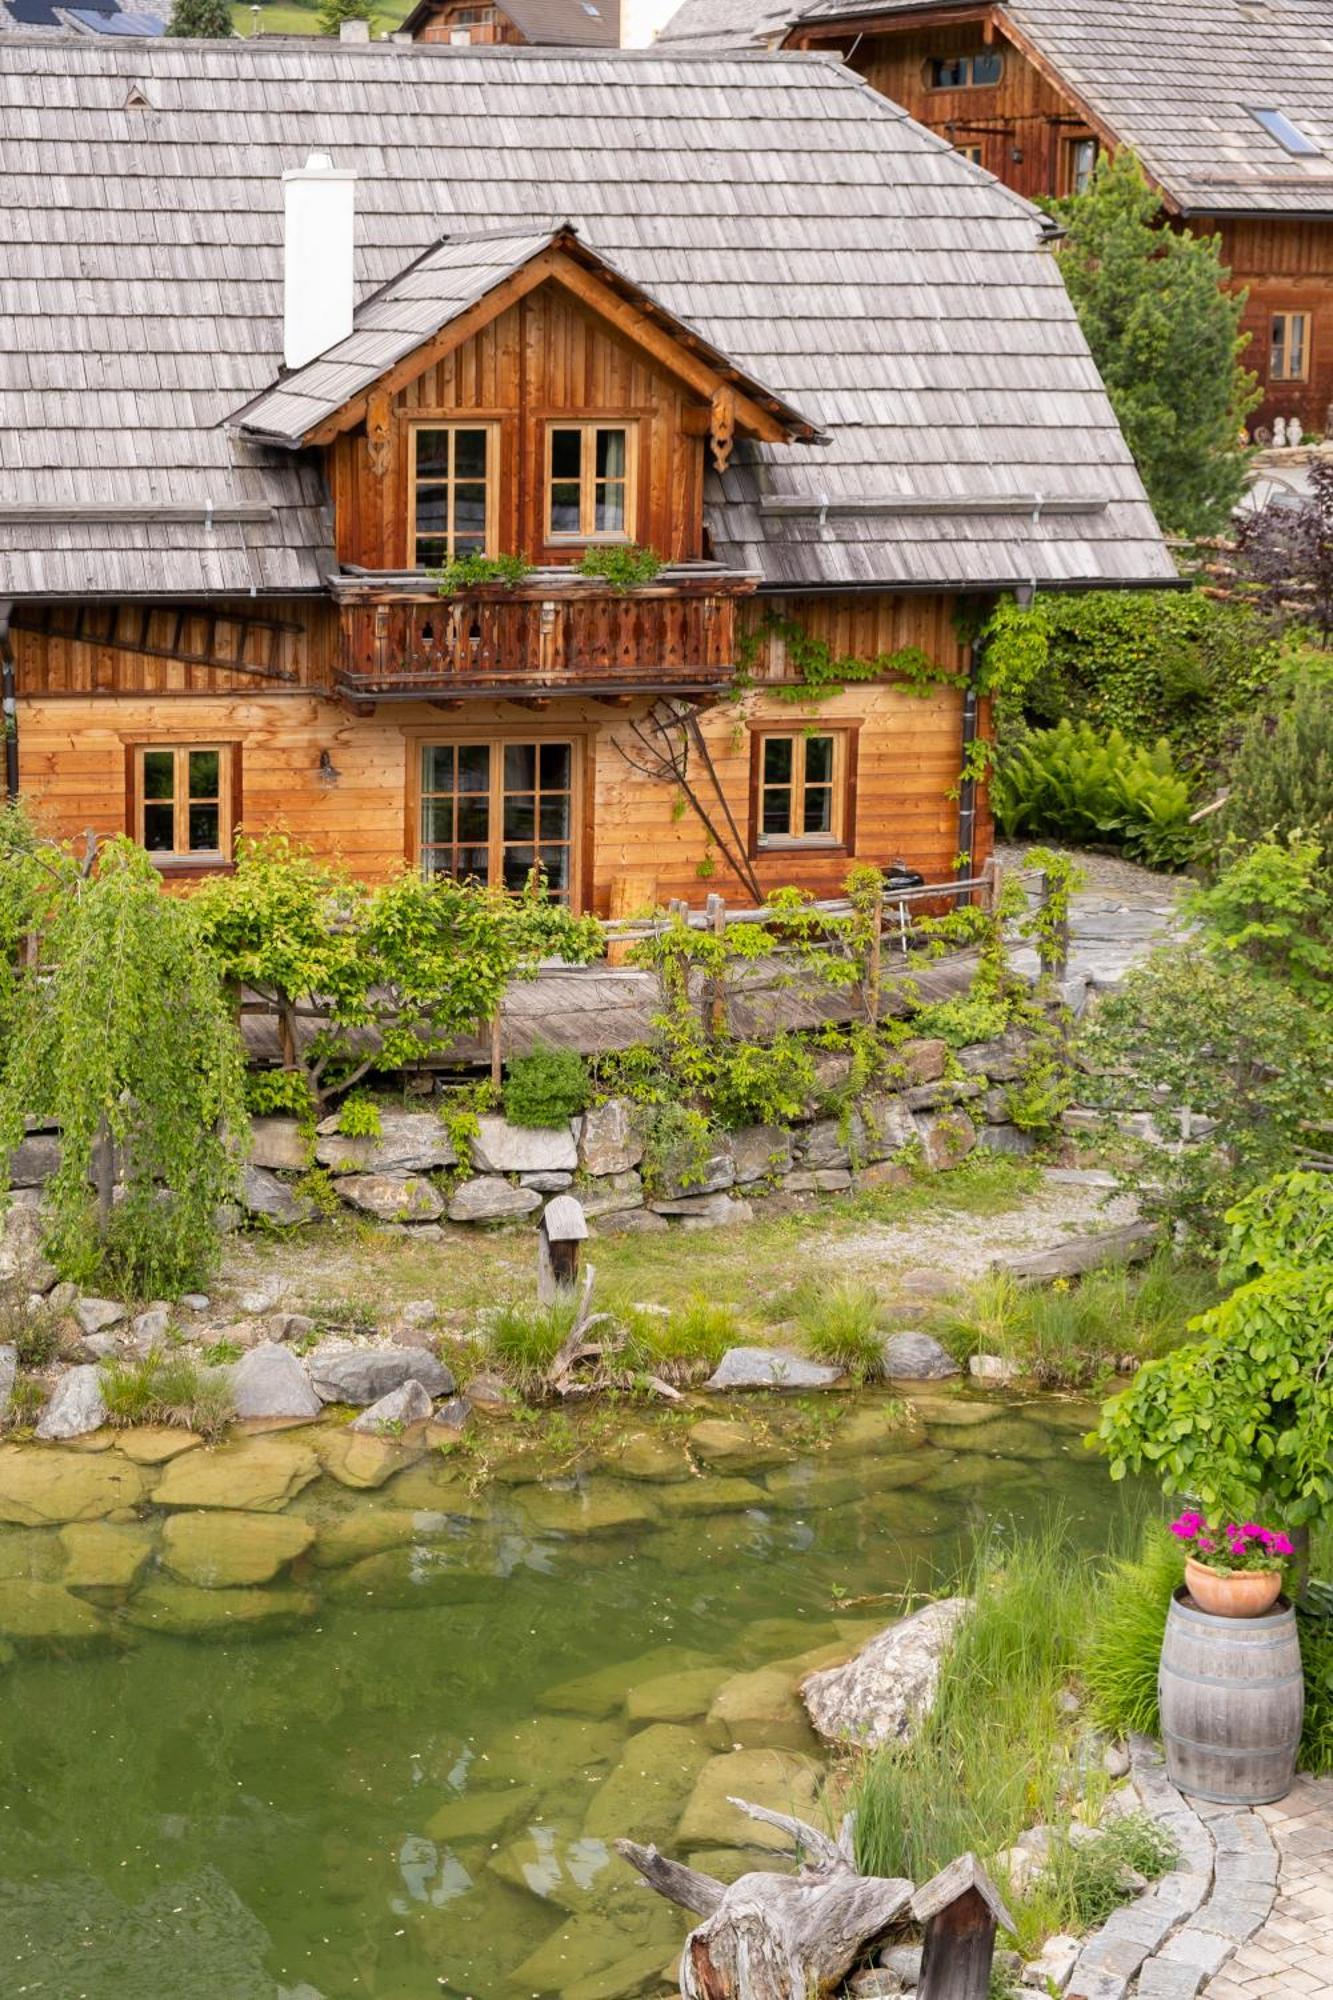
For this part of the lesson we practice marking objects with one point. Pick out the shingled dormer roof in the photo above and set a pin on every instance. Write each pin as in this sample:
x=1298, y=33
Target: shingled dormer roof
x=546, y=23
x=448, y=289
x=894, y=295
x=1176, y=81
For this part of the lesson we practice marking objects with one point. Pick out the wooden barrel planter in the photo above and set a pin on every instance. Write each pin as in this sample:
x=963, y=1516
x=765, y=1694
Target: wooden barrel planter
x=1232, y=1696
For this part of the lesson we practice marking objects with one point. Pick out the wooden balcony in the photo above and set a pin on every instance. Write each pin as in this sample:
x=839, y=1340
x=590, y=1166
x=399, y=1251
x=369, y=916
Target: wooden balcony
x=553, y=634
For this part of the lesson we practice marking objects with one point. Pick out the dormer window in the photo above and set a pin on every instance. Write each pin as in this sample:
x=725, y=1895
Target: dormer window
x=1290, y=137
x=452, y=482
x=969, y=72
x=591, y=476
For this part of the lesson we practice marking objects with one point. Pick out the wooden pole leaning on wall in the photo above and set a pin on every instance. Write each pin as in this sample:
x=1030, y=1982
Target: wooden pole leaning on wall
x=715, y=910
x=497, y=1034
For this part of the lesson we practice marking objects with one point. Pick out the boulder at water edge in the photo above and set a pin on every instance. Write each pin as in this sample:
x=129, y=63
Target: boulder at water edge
x=411, y=1404
x=880, y=1695
x=769, y=1368
x=270, y=1381
x=344, y=1372
x=76, y=1407
x=915, y=1357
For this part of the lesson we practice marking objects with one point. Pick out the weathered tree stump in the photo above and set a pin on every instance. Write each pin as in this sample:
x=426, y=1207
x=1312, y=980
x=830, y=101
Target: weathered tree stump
x=777, y=1937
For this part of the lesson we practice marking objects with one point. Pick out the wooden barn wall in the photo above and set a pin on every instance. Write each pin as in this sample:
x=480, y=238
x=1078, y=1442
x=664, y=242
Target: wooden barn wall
x=1021, y=112
x=58, y=663
x=1286, y=266
x=542, y=358
x=443, y=24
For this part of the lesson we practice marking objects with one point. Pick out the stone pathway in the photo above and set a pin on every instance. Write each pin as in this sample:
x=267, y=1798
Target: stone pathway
x=1246, y=1911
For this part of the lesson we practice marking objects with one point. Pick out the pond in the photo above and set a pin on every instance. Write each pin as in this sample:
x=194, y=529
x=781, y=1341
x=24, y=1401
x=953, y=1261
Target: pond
x=273, y=1736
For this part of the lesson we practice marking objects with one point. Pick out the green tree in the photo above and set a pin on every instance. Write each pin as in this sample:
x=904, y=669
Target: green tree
x=332, y=14
x=202, y=20
x=1165, y=334
x=1280, y=779
x=118, y=1033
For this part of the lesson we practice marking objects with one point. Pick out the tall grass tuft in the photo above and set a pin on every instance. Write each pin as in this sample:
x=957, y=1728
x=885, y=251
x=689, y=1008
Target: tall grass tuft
x=841, y=1324
x=683, y=1345
x=166, y=1388
x=524, y=1340
x=1120, y=1665
x=1066, y=1335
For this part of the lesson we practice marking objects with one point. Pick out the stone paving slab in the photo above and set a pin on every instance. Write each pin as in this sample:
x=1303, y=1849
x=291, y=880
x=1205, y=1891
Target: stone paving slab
x=1290, y=1955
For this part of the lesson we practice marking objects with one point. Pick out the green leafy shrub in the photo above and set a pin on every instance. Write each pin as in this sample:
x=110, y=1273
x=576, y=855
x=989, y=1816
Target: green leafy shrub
x=359, y=1117
x=841, y=1325
x=1069, y=783
x=473, y=572
x=1280, y=777
x=761, y=1083
x=624, y=565
x=1272, y=905
x=26, y=1399
x=276, y=1093
x=545, y=1088
x=678, y=1148
x=33, y=1331
x=964, y=1019
x=1315, y=1621
x=1128, y=1623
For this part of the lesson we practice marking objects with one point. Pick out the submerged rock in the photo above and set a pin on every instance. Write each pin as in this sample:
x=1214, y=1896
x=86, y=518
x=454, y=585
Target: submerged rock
x=154, y=1444
x=760, y=1710
x=343, y=1371
x=649, y=1786
x=881, y=1694
x=270, y=1381
x=561, y=1748
x=187, y=1611
x=100, y=1556
x=783, y=1780
x=218, y=1550
x=367, y=1531
x=360, y=1461
x=717, y=1441
x=482, y=1815
x=253, y=1474
x=38, y=1488
x=602, y=1692
x=46, y=1614
x=769, y=1368
x=599, y=1509
x=679, y=1697
x=713, y=1495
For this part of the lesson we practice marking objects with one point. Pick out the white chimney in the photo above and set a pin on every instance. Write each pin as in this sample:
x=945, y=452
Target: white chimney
x=354, y=31
x=318, y=201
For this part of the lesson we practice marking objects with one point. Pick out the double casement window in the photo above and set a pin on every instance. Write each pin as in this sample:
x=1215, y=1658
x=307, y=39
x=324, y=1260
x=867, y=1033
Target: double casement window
x=493, y=810
x=182, y=800
x=591, y=475
x=453, y=475
x=969, y=72
x=802, y=788
x=1289, y=347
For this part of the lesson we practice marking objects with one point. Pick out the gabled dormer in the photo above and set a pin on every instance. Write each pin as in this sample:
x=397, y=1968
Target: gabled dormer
x=478, y=23
x=514, y=393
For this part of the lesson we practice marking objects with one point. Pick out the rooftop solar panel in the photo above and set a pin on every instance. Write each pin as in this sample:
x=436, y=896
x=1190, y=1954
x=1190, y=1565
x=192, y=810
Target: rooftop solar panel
x=34, y=13
x=115, y=24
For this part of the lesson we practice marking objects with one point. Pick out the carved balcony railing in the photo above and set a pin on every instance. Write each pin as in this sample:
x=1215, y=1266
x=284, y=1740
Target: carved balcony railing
x=551, y=634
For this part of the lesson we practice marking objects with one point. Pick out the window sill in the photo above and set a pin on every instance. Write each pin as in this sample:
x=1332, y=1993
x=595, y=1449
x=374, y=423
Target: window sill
x=177, y=865
x=589, y=541
x=787, y=843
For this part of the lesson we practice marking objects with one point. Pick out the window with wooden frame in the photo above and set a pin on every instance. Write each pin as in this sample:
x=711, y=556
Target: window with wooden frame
x=591, y=481
x=969, y=72
x=492, y=811
x=1080, y=164
x=453, y=485
x=183, y=800
x=1289, y=347
x=970, y=152
x=801, y=788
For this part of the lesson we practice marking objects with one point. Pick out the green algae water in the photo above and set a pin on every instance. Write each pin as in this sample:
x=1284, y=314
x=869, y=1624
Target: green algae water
x=306, y=1718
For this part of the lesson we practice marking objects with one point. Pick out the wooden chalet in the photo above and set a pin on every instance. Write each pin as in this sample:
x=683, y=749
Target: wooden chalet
x=516, y=23
x=291, y=326
x=1228, y=106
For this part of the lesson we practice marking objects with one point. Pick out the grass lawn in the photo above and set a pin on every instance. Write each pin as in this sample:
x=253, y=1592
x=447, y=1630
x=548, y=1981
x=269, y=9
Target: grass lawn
x=296, y=18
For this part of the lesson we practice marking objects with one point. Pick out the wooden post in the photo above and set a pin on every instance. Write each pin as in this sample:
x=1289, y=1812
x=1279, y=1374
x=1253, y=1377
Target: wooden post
x=994, y=875
x=874, y=963
x=562, y=1229
x=961, y=1911
x=716, y=910
x=497, y=1067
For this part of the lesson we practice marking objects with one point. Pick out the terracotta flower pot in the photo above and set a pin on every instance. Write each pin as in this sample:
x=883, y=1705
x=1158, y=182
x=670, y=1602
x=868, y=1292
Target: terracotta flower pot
x=1248, y=1593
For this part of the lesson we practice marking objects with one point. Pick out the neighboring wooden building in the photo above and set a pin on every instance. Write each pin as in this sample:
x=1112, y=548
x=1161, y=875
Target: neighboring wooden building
x=516, y=23
x=837, y=380
x=1229, y=106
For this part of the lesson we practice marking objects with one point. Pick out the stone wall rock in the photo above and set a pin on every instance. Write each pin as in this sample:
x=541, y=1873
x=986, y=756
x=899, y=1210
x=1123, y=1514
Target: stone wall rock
x=279, y=1144
x=391, y=1199
x=409, y=1142
x=263, y=1194
x=502, y=1148
x=34, y=1161
x=612, y=1136
x=22, y=1261
x=344, y=1372
x=759, y=1151
x=487, y=1198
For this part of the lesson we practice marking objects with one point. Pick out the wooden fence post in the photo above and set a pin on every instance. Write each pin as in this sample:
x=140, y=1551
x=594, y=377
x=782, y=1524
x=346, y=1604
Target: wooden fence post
x=716, y=911
x=874, y=963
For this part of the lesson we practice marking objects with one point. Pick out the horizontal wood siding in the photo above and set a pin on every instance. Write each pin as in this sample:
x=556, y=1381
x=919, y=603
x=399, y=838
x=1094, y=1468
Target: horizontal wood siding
x=640, y=847
x=545, y=357
x=54, y=664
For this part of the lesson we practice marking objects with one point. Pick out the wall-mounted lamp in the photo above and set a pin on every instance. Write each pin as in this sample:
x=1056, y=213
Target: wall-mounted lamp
x=1016, y=155
x=329, y=773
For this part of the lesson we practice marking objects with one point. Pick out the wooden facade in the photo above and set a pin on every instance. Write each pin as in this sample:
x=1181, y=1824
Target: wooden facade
x=1023, y=124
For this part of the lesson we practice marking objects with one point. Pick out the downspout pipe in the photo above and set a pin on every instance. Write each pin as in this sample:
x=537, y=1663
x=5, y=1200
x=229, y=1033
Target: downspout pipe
x=9, y=706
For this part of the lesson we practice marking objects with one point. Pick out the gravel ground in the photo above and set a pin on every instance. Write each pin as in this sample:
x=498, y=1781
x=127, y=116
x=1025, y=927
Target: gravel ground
x=1107, y=875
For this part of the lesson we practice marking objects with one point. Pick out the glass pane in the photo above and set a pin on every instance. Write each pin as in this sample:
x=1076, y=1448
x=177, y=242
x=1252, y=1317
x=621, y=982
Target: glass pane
x=437, y=822
x=520, y=767
x=474, y=861
x=204, y=836
x=474, y=818
x=431, y=554
x=470, y=510
x=437, y=767
x=987, y=67
x=819, y=760
x=431, y=515
x=555, y=766
x=433, y=453
x=565, y=510
x=520, y=816
x=1296, y=346
x=554, y=823
x=609, y=518
x=818, y=813
x=610, y=454
x=469, y=454
x=777, y=760
x=159, y=774
x=474, y=767
x=159, y=829
x=566, y=454
x=519, y=863
x=555, y=868
x=777, y=811
x=435, y=861
x=469, y=545
x=204, y=774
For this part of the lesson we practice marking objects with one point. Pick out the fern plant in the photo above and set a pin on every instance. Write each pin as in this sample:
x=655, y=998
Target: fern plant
x=1069, y=783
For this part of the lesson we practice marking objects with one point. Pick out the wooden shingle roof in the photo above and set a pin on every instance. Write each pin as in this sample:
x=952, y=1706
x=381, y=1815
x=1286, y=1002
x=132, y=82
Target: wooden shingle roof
x=1178, y=82
x=567, y=23
x=893, y=293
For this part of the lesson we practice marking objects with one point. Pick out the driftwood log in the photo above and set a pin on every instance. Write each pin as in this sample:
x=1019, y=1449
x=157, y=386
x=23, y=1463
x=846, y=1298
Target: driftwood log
x=777, y=1937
